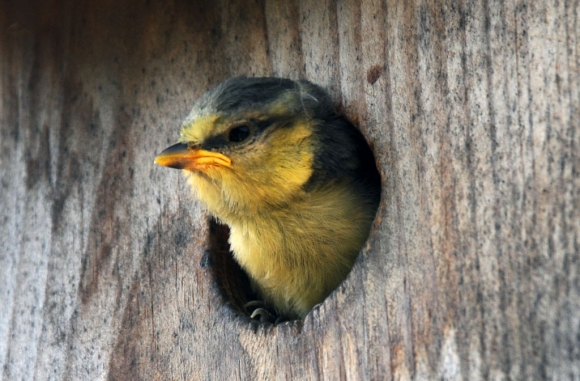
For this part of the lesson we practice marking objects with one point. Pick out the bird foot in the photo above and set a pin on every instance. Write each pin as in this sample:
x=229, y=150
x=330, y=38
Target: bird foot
x=262, y=315
x=258, y=311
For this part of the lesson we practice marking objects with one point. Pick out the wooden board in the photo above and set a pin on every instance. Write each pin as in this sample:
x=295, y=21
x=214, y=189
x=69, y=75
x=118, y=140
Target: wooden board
x=472, y=270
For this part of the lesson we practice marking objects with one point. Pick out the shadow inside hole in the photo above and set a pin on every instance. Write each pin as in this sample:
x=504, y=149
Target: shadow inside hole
x=232, y=280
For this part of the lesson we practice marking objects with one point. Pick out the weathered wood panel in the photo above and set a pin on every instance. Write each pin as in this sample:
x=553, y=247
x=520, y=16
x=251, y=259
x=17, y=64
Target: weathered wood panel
x=472, y=269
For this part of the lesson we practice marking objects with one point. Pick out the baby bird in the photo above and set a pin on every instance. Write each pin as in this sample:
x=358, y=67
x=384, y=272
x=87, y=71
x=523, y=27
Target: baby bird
x=295, y=182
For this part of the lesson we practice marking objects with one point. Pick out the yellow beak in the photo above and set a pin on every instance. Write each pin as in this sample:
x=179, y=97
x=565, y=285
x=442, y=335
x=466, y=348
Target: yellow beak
x=180, y=156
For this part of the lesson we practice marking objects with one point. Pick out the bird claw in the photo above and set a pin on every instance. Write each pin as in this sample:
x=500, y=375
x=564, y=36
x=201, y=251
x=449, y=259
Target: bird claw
x=260, y=312
x=263, y=314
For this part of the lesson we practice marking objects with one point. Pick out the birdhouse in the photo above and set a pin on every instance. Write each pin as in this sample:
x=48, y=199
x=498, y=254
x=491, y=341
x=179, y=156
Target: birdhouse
x=111, y=268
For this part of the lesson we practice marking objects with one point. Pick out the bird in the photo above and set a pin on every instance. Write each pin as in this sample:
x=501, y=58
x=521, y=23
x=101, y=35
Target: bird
x=293, y=179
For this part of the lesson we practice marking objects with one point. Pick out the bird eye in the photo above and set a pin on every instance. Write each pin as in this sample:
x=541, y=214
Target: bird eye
x=238, y=134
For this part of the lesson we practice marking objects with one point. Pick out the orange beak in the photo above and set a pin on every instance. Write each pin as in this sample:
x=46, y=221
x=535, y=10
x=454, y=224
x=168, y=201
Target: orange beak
x=180, y=156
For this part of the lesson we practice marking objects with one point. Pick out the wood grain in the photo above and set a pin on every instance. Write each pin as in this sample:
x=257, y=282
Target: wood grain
x=109, y=269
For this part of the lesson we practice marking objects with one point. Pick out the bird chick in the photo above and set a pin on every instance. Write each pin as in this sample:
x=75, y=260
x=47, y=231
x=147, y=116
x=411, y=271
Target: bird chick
x=295, y=182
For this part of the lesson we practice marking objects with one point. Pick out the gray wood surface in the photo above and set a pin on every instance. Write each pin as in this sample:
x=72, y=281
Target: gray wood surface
x=472, y=270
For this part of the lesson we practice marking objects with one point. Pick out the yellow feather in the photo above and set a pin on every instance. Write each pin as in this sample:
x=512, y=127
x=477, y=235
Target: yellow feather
x=296, y=246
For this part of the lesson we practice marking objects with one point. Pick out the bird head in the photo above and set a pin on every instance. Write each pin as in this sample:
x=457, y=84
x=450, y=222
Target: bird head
x=253, y=144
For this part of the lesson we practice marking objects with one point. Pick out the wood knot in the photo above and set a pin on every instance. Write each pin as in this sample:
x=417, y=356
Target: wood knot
x=374, y=73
